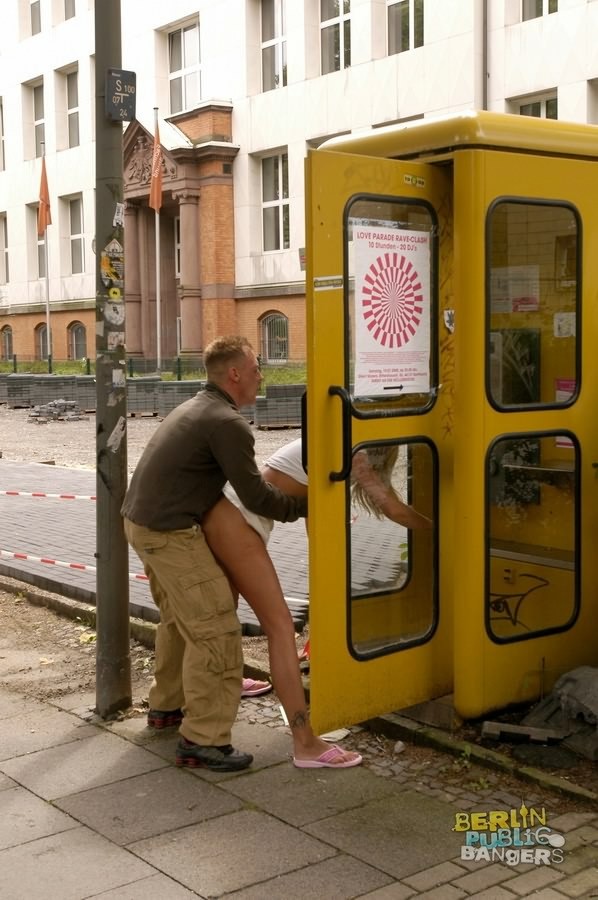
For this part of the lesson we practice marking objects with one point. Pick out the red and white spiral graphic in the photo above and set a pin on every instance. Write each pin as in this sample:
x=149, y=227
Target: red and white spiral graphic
x=391, y=300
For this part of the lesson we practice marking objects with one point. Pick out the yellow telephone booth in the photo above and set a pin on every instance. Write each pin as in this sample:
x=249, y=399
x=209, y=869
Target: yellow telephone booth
x=451, y=290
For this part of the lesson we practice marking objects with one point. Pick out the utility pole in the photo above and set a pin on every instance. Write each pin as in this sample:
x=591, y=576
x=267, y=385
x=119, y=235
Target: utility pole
x=113, y=660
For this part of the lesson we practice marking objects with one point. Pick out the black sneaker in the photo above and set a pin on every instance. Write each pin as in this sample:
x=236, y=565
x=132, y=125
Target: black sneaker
x=218, y=759
x=160, y=718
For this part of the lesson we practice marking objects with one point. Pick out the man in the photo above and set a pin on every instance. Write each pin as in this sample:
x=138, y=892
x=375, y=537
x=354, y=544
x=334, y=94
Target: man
x=201, y=445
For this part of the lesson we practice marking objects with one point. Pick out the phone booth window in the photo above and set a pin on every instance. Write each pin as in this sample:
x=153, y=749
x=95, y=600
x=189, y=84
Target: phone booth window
x=533, y=541
x=391, y=558
x=533, y=289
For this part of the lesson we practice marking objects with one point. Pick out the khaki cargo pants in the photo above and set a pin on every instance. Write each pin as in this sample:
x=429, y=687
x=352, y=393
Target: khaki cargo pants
x=199, y=659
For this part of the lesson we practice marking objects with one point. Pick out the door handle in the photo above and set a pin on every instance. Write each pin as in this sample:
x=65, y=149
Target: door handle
x=337, y=391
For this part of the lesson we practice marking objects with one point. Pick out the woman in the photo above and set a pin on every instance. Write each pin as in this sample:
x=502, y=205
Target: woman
x=234, y=544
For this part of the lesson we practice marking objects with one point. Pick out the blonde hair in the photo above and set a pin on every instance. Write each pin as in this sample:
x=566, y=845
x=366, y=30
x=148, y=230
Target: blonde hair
x=223, y=352
x=382, y=460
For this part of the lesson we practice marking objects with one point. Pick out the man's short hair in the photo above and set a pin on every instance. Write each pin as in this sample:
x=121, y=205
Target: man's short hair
x=223, y=352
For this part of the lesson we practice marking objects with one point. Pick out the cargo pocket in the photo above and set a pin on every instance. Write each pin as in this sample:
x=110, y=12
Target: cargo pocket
x=206, y=594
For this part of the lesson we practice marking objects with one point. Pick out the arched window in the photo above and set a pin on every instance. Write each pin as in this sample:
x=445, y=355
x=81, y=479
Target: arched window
x=274, y=334
x=77, y=341
x=6, y=342
x=41, y=342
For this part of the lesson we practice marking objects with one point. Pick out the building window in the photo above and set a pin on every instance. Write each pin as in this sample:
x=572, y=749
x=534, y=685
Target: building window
x=274, y=44
x=41, y=255
x=1, y=136
x=77, y=341
x=546, y=108
x=38, y=119
x=177, y=247
x=184, y=68
x=6, y=342
x=275, y=202
x=532, y=9
x=335, y=27
x=4, y=279
x=274, y=338
x=41, y=342
x=72, y=107
x=36, y=17
x=405, y=25
x=69, y=9
x=76, y=233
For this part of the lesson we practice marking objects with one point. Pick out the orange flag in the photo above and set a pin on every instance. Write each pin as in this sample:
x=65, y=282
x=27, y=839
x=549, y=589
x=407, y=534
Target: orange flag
x=155, y=198
x=44, y=216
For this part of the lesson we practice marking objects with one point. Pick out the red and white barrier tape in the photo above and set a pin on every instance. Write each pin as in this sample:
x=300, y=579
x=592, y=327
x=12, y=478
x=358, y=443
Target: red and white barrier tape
x=133, y=576
x=40, y=494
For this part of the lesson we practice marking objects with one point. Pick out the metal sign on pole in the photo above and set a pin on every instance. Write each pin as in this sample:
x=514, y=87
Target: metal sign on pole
x=113, y=661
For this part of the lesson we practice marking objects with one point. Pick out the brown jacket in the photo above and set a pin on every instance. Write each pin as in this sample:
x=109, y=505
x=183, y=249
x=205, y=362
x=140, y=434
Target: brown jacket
x=201, y=445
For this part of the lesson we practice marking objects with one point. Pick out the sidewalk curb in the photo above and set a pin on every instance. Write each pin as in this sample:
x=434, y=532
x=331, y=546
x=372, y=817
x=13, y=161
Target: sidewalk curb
x=392, y=725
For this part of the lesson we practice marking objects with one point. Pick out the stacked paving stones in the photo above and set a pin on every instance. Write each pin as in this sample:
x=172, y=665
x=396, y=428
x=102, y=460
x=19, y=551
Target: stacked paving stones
x=63, y=410
x=281, y=407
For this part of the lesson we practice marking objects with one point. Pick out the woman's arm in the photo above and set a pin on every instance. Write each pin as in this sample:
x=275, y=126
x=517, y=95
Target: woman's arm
x=384, y=497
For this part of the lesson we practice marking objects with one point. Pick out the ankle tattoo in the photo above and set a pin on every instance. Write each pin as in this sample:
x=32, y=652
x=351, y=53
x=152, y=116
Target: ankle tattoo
x=299, y=719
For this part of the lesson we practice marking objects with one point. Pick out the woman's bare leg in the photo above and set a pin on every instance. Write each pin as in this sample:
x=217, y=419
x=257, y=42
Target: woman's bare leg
x=243, y=555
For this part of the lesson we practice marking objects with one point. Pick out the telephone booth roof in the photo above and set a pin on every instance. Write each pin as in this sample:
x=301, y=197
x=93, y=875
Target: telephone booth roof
x=439, y=136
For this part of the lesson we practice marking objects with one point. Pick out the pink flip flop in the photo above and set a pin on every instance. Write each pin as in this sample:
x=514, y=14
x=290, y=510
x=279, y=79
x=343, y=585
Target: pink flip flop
x=252, y=688
x=326, y=760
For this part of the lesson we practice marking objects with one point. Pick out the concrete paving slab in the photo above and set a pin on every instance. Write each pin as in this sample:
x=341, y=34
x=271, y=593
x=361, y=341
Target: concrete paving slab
x=82, y=702
x=6, y=783
x=67, y=866
x=149, y=804
x=397, y=891
x=38, y=729
x=14, y=705
x=158, y=887
x=80, y=765
x=339, y=878
x=27, y=818
x=300, y=796
x=400, y=835
x=268, y=745
x=231, y=852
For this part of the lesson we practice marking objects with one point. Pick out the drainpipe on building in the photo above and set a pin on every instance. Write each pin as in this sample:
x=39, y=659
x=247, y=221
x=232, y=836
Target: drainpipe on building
x=480, y=54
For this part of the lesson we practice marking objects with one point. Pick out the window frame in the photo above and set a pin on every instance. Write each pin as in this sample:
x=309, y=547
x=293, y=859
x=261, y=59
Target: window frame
x=185, y=71
x=341, y=23
x=41, y=251
x=415, y=39
x=77, y=340
x=76, y=238
x=279, y=202
x=2, y=161
x=528, y=16
x=270, y=321
x=4, y=266
x=542, y=100
x=39, y=121
x=277, y=44
x=35, y=17
x=72, y=112
x=41, y=341
x=6, y=342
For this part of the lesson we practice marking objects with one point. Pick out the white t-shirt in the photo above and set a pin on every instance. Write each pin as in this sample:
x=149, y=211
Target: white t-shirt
x=286, y=460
